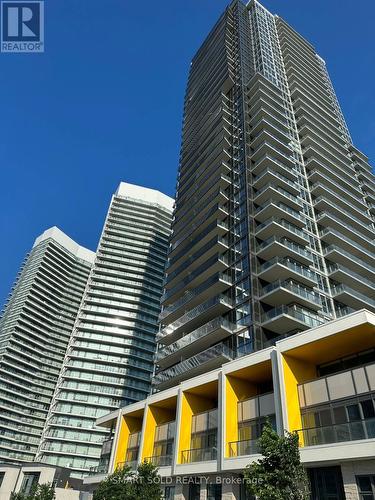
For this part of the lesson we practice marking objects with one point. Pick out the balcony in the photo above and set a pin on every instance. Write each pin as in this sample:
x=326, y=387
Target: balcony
x=214, y=264
x=278, y=246
x=347, y=277
x=352, y=298
x=287, y=318
x=320, y=179
x=270, y=176
x=284, y=292
x=215, y=245
x=329, y=220
x=207, y=310
x=202, y=362
x=198, y=455
x=325, y=195
x=281, y=228
x=338, y=433
x=276, y=165
x=217, y=227
x=271, y=190
x=160, y=460
x=244, y=447
x=275, y=127
x=212, y=286
x=269, y=149
x=317, y=161
x=278, y=209
x=323, y=204
x=281, y=268
x=201, y=338
x=129, y=463
x=347, y=259
x=330, y=235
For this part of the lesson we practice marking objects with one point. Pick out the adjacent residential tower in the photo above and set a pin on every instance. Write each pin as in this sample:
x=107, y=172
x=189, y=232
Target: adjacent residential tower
x=35, y=330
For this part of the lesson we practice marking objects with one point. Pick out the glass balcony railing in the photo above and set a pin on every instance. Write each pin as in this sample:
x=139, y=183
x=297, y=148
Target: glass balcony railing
x=131, y=463
x=98, y=469
x=274, y=160
x=303, y=292
x=346, y=239
x=287, y=243
x=338, y=433
x=339, y=289
x=198, y=455
x=190, y=338
x=350, y=256
x=195, y=312
x=282, y=191
x=194, y=293
x=347, y=226
x=340, y=210
x=245, y=447
x=307, y=317
x=279, y=176
x=350, y=205
x=293, y=266
x=282, y=222
x=338, y=267
x=181, y=369
x=284, y=207
x=160, y=460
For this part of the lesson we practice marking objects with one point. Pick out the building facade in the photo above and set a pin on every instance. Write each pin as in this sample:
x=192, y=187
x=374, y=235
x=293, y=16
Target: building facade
x=319, y=383
x=273, y=229
x=35, y=329
x=109, y=360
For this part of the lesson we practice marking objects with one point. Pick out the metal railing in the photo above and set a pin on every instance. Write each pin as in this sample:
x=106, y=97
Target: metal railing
x=338, y=289
x=160, y=460
x=244, y=447
x=294, y=288
x=198, y=455
x=132, y=464
x=306, y=317
x=287, y=243
x=216, y=351
x=294, y=266
x=337, y=433
x=200, y=332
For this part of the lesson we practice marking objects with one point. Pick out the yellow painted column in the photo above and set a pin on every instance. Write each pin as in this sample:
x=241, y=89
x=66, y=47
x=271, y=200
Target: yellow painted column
x=235, y=390
x=296, y=372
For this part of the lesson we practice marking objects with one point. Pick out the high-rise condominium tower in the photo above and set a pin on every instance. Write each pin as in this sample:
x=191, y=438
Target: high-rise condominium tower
x=273, y=229
x=34, y=334
x=109, y=361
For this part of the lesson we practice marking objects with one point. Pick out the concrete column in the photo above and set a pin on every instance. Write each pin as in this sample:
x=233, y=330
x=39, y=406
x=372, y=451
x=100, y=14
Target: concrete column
x=279, y=393
x=349, y=472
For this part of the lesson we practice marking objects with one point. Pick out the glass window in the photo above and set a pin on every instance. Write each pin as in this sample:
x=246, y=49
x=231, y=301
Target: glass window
x=194, y=491
x=29, y=482
x=368, y=408
x=341, y=386
x=213, y=491
x=366, y=487
x=169, y=493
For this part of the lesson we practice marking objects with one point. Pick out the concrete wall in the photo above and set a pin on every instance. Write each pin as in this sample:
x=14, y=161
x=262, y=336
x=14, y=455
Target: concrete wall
x=350, y=470
x=14, y=476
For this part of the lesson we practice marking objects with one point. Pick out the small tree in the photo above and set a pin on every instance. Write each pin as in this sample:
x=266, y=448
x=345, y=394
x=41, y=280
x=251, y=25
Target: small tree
x=146, y=485
x=116, y=486
x=123, y=484
x=39, y=492
x=279, y=475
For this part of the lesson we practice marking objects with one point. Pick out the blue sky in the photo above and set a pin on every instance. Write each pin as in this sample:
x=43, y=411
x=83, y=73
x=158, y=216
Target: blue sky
x=104, y=104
